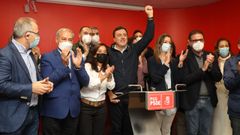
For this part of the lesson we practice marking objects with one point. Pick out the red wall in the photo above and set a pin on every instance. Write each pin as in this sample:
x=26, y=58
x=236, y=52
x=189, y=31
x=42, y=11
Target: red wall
x=215, y=20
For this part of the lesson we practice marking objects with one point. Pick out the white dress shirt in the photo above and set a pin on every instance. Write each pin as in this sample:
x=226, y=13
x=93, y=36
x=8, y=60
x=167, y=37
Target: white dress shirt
x=95, y=91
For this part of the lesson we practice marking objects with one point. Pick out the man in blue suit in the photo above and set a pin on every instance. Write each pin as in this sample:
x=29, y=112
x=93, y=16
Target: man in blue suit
x=60, y=108
x=19, y=85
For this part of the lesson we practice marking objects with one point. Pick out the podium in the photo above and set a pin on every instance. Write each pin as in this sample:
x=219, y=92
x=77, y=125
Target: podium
x=142, y=110
x=142, y=107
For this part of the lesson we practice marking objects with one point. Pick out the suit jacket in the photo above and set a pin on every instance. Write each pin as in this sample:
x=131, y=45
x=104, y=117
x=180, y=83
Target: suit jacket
x=193, y=75
x=65, y=97
x=15, y=89
x=157, y=73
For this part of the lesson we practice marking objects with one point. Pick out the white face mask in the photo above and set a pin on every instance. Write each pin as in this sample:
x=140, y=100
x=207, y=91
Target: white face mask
x=95, y=39
x=65, y=45
x=165, y=47
x=198, y=46
x=138, y=38
x=86, y=39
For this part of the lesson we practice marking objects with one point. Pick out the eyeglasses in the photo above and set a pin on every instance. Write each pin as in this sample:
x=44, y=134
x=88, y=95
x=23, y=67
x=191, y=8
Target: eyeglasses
x=36, y=33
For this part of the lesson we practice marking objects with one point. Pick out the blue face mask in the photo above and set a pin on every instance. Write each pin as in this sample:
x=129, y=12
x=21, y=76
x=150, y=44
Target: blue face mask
x=223, y=52
x=165, y=47
x=35, y=42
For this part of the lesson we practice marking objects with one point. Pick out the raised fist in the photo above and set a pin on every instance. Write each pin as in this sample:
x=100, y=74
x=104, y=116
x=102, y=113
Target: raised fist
x=149, y=11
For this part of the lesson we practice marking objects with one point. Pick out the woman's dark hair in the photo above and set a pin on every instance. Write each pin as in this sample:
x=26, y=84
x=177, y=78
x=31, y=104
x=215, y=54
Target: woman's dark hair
x=93, y=61
x=216, y=51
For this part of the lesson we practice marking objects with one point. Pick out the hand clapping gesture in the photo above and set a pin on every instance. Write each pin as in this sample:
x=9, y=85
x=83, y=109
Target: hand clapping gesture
x=65, y=55
x=208, y=62
x=42, y=87
x=77, y=60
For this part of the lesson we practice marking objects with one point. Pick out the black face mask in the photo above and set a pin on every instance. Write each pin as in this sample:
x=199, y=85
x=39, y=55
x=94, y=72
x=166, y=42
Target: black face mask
x=101, y=58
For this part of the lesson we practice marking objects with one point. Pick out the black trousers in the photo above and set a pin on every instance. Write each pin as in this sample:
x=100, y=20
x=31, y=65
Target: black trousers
x=92, y=120
x=52, y=126
x=121, y=124
x=235, y=124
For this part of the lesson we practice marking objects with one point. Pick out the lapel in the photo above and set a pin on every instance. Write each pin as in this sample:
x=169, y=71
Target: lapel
x=57, y=56
x=192, y=60
x=20, y=60
x=59, y=60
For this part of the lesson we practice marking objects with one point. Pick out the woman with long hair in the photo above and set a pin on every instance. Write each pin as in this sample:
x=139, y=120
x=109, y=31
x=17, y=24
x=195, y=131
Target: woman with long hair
x=221, y=122
x=163, y=69
x=92, y=115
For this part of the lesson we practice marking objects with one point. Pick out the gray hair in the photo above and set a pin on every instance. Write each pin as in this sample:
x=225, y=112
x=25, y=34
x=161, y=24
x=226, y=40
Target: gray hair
x=23, y=25
x=61, y=30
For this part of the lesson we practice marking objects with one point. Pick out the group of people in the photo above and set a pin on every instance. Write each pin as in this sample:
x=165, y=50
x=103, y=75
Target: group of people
x=69, y=86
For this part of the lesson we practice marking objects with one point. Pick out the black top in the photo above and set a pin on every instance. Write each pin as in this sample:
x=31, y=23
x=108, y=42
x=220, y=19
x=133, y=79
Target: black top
x=126, y=63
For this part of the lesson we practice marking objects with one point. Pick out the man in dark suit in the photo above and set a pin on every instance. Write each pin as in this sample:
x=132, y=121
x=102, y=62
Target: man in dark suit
x=200, y=72
x=61, y=108
x=19, y=85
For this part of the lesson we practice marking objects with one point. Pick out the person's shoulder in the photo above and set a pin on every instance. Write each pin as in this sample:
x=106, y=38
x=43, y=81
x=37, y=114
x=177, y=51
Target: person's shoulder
x=7, y=50
x=51, y=54
x=232, y=59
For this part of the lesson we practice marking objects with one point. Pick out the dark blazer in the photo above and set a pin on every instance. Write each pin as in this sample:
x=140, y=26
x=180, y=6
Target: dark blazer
x=231, y=79
x=157, y=72
x=15, y=89
x=193, y=75
x=65, y=97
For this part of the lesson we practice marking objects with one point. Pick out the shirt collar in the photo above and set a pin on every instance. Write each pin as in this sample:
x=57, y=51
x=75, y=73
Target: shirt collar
x=115, y=47
x=20, y=47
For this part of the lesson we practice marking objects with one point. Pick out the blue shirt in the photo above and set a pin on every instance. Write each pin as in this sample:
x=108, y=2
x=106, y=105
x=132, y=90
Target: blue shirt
x=30, y=66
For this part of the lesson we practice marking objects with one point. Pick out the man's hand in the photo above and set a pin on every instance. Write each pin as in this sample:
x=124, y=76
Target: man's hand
x=36, y=53
x=77, y=60
x=65, y=55
x=208, y=62
x=210, y=58
x=42, y=87
x=183, y=56
x=149, y=11
x=112, y=97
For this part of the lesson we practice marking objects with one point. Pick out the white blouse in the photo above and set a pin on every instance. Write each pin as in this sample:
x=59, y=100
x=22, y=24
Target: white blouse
x=95, y=91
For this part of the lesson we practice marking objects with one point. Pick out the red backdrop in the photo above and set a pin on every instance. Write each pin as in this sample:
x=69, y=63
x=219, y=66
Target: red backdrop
x=216, y=20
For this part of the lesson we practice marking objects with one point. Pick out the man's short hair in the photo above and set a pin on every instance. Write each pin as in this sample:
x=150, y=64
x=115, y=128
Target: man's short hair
x=61, y=30
x=119, y=28
x=193, y=32
x=137, y=31
x=83, y=28
x=23, y=25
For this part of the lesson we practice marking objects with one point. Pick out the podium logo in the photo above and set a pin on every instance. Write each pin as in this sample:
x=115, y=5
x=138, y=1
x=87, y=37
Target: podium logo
x=160, y=100
x=154, y=101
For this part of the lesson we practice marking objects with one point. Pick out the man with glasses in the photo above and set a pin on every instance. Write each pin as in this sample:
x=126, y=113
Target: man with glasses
x=201, y=72
x=19, y=81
